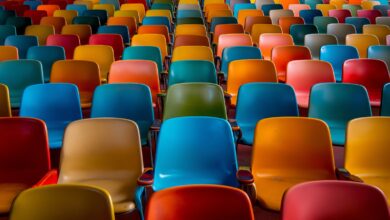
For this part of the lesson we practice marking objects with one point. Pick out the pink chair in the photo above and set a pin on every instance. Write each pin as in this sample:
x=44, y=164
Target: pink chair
x=369, y=14
x=340, y=14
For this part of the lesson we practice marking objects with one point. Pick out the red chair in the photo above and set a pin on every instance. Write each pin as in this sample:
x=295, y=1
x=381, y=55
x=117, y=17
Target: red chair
x=282, y=55
x=334, y=200
x=303, y=74
x=61, y=3
x=35, y=15
x=68, y=41
x=24, y=157
x=205, y=202
x=340, y=14
x=19, y=9
x=113, y=40
x=370, y=73
x=369, y=14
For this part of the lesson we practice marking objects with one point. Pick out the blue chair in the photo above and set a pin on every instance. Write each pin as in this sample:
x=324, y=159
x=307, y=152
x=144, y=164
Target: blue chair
x=241, y=6
x=337, y=104
x=22, y=42
x=32, y=4
x=116, y=29
x=5, y=14
x=19, y=74
x=101, y=14
x=257, y=101
x=113, y=2
x=79, y=8
x=298, y=32
x=382, y=8
x=47, y=55
x=385, y=104
x=237, y=53
x=268, y=7
x=126, y=100
x=380, y=52
x=158, y=20
x=189, y=14
x=308, y=15
x=313, y=3
x=92, y=21
x=337, y=55
x=358, y=22
x=192, y=71
x=144, y=53
x=20, y=23
x=5, y=31
x=222, y=20
x=56, y=104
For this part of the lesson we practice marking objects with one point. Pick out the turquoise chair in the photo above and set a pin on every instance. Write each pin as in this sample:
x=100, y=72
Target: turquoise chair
x=56, y=104
x=18, y=75
x=321, y=22
x=313, y=3
x=22, y=42
x=32, y=4
x=268, y=7
x=20, y=23
x=144, y=53
x=298, y=32
x=308, y=15
x=221, y=20
x=116, y=29
x=257, y=101
x=47, y=55
x=380, y=52
x=385, y=104
x=158, y=20
x=337, y=104
x=101, y=14
x=5, y=14
x=237, y=53
x=189, y=14
x=113, y=2
x=92, y=21
x=5, y=31
x=242, y=6
x=337, y=55
x=187, y=71
x=358, y=22
x=79, y=8
x=125, y=100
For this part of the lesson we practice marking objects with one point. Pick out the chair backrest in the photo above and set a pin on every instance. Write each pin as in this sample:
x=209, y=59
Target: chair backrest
x=379, y=30
x=156, y=40
x=191, y=40
x=243, y=14
x=20, y=23
x=5, y=31
x=385, y=104
x=309, y=15
x=286, y=22
x=8, y=53
x=324, y=8
x=192, y=53
x=67, y=14
x=380, y=52
x=118, y=22
x=192, y=71
x=383, y=20
x=340, y=14
x=371, y=14
x=231, y=40
x=158, y=20
x=35, y=15
x=316, y=41
x=56, y=22
x=361, y=42
x=322, y=23
x=68, y=41
x=101, y=14
x=296, y=8
x=60, y=199
x=155, y=29
x=83, y=31
x=353, y=8
x=341, y=31
x=252, y=20
x=113, y=40
x=218, y=154
x=299, y=31
x=318, y=199
x=134, y=6
x=238, y=53
x=357, y=22
x=22, y=43
x=268, y=41
x=260, y=29
x=226, y=29
x=144, y=53
x=50, y=9
x=91, y=21
x=278, y=13
x=210, y=201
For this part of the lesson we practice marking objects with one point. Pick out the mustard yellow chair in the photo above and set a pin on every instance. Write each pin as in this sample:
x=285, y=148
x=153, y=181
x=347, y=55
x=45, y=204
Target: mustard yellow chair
x=367, y=152
x=109, y=8
x=8, y=53
x=288, y=151
x=5, y=103
x=103, y=152
x=337, y=3
x=324, y=8
x=369, y=4
x=40, y=31
x=156, y=40
x=101, y=54
x=83, y=31
x=259, y=29
x=361, y=42
x=67, y=14
x=244, y=13
x=63, y=202
x=380, y=31
x=135, y=7
x=192, y=53
x=191, y=29
x=87, y=3
x=128, y=14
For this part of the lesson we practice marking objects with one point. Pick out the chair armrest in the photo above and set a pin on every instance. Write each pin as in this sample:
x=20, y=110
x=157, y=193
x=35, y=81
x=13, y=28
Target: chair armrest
x=343, y=174
x=50, y=177
x=156, y=125
x=146, y=179
x=244, y=177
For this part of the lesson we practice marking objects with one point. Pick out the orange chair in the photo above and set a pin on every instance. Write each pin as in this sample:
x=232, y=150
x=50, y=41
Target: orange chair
x=56, y=22
x=135, y=6
x=191, y=40
x=50, y=9
x=296, y=8
x=136, y=71
x=155, y=29
x=5, y=102
x=130, y=22
x=160, y=13
x=243, y=14
x=259, y=29
x=361, y=42
x=84, y=74
x=252, y=20
x=246, y=71
x=67, y=14
x=82, y=30
x=226, y=29
x=380, y=31
x=214, y=6
x=192, y=53
x=218, y=13
x=156, y=40
x=191, y=29
x=268, y=41
x=202, y=202
x=301, y=77
x=230, y=40
x=40, y=31
x=286, y=22
x=8, y=53
x=128, y=14
x=286, y=3
x=282, y=55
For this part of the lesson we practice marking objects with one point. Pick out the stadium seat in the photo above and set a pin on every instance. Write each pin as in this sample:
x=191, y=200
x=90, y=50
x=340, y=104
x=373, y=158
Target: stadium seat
x=357, y=22
x=340, y=14
x=361, y=42
x=22, y=43
x=8, y=53
x=309, y=15
x=322, y=23
x=144, y=53
x=286, y=22
x=5, y=31
x=341, y=31
x=191, y=40
x=380, y=31
x=299, y=31
x=237, y=53
x=83, y=31
x=369, y=14
x=68, y=41
x=113, y=40
x=260, y=29
x=192, y=53
x=380, y=52
x=316, y=41
x=188, y=71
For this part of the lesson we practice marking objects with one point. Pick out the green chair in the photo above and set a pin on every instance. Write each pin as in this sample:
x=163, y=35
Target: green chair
x=322, y=23
x=298, y=32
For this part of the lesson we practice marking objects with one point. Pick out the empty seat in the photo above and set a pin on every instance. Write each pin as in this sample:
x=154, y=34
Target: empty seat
x=322, y=23
x=370, y=14
x=315, y=42
x=260, y=29
x=8, y=53
x=56, y=22
x=385, y=104
x=278, y=13
x=380, y=31
x=22, y=43
x=286, y=22
x=5, y=31
x=298, y=32
x=357, y=22
x=113, y=40
x=231, y=40
x=237, y=53
x=145, y=53
x=380, y=52
x=340, y=14
x=186, y=71
x=83, y=31
x=309, y=15
x=341, y=31
x=361, y=42
x=68, y=41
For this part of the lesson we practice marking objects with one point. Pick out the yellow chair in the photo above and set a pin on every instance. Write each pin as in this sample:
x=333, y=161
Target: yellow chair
x=369, y=4
x=361, y=42
x=63, y=202
x=324, y=8
x=67, y=14
x=101, y=54
x=288, y=151
x=213, y=7
x=109, y=8
x=135, y=7
x=5, y=106
x=380, y=31
x=246, y=71
x=367, y=152
x=242, y=14
x=337, y=3
x=107, y=155
x=87, y=3
x=159, y=13
x=40, y=31
x=192, y=2
x=259, y=29
x=8, y=53
x=157, y=40
x=192, y=53
x=191, y=29
x=84, y=31
x=218, y=13
x=128, y=13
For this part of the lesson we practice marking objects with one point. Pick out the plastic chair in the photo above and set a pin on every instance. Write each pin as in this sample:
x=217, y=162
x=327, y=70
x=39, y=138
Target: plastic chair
x=221, y=20
x=218, y=13
x=50, y=9
x=367, y=152
x=158, y=20
x=380, y=31
x=40, y=31
x=357, y=22
x=83, y=31
x=190, y=29
x=91, y=53
x=266, y=8
x=32, y=4
x=109, y=8
x=209, y=201
x=341, y=31
x=68, y=42
x=230, y=40
x=56, y=22
x=382, y=8
x=25, y=159
x=322, y=23
x=4, y=14
x=121, y=30
x=353, y=8
x=233, y=3
x=325, y=8
x=59, y=199
x=260, y=3
x=5, y=31
x=278, y=13
x=69, y=15
x=20, y=23
x=250, y=21
x=337, y=104
x=369, y=4
x=116, y=23
x=296, y=8
x=268, y=41
x=192, y=53
x=144, y=53
x=237, y=53
x=83, y=74
x=336, y=55
x=116, y=3
x=337, y=3
x=309, y=15
x=243, y=14
x=383, y=20
x=369, y=14
x=340, y=14
x=385, y=104
x=315, y=41
x=302, y=78
x=380, y=52
x=191, y=40
x=77, y=7
x=113, y=40
x=134, y=6
x=286, y=3
x=188, y=71
x=277, y=143
x=92, y=21
x=156, y=40
x=129, y=14
x=101, y=14
x=282, y=55
x=299, y=31
x=56, y=104
x=8, y=53
x=226, y=29
x=286, y=22
x=5, y=103
x=260, y=29
x=357, y=201
x=35, y=15
x=361, y=42
x=160, y=13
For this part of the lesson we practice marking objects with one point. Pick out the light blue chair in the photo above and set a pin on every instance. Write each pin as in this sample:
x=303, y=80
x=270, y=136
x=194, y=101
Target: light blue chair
x=385, y=104
x=144, y=53
x=242, y=6
x=237, y=53
x=22, y=42
x=186, y=71
x=380, y=52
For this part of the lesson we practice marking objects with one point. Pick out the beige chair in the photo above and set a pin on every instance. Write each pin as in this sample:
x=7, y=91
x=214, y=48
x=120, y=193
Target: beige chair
x=315, y=41
x=341, y=31
x=276, y=14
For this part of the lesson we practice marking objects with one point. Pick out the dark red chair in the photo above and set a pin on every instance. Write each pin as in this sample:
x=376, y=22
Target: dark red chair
x=191, y=40
x=19, y=9
x=369, y=14
x=370, y=73
x=340, y=14
x=61, y=3
x=35, y=15
x=334, y=200
x=68, y=41
x=24, y=157
x=113, y=40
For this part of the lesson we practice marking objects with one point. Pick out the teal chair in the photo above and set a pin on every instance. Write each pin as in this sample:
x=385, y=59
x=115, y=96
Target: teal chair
x=268, y=7
x=5, y=31
x=337, y=104
x=313, y=3
x=116, y=29
x=380, y=52
x=298, y=32
x=101, y=14
x=5, y=14
x=19, y=74
x=20, y=23
x=189, y=14
x=47, y=55
x=158, y=20
x=32, y=4
x=242, y=6
x=79, y=8
x=385, y=104
x=382, y=8
x=188, y=71
x=322, y=23
x=237, y=53
x=257, y=101
x=113, y=2
x=92, y=21
x=189, y=21
x=144, y=53
x=309, y=15
x=22, y=42
x=358, y=22
x=163, y=6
